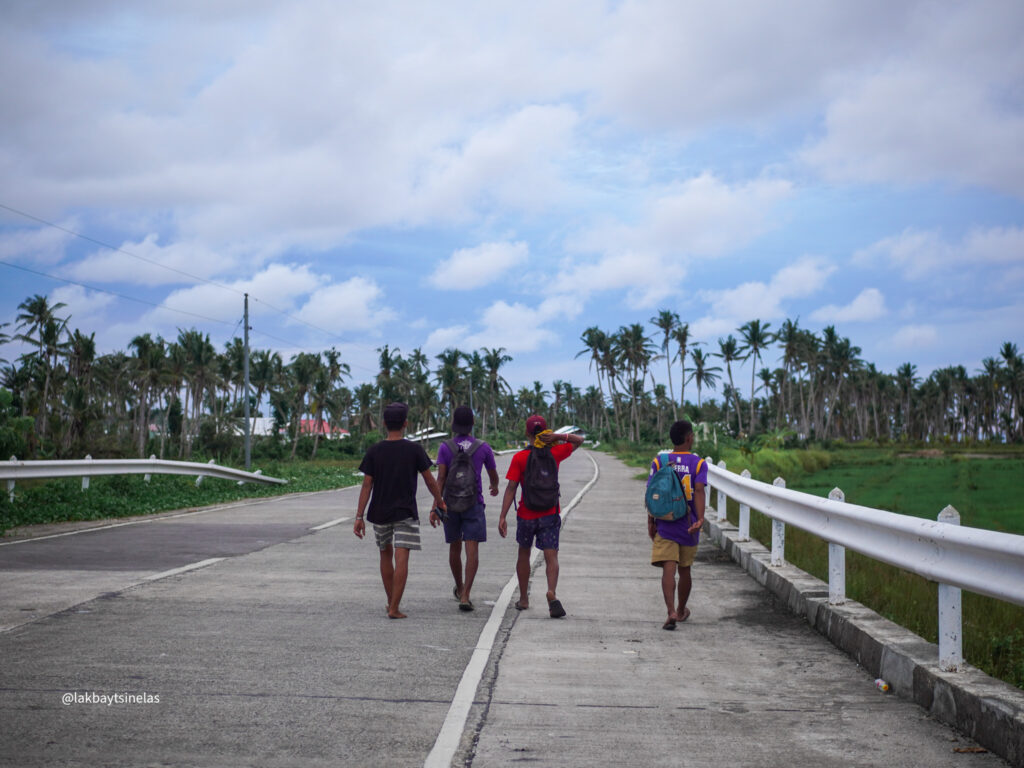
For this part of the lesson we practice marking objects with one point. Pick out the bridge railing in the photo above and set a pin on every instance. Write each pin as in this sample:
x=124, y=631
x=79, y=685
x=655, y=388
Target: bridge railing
x=986, y=562
x=14, y=470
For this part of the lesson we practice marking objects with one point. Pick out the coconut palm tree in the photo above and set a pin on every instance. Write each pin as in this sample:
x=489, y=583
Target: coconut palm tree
x=755, y=337
x=729, y=351
x=703, y=375
x=667, y=322
x=681, y=336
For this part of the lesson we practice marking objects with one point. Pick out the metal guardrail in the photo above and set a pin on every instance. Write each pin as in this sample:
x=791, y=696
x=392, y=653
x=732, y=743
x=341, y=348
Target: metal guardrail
x=14, y=470
x=987, y=562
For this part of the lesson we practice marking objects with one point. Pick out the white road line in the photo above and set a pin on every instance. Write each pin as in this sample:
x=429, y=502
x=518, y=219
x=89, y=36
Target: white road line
x=331, y=524
x=455, y=722
x=184, y=569
x=157, y=519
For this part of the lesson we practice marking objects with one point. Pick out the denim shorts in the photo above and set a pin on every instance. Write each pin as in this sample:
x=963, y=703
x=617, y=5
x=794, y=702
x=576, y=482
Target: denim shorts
x=543, y=529
x=470, y=525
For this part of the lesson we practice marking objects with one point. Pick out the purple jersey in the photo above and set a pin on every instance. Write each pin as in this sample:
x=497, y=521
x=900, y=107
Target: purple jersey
x=692, y=469
x=483, y=457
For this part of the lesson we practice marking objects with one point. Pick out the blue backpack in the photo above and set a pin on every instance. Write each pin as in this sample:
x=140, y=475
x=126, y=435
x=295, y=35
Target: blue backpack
x=665, y=498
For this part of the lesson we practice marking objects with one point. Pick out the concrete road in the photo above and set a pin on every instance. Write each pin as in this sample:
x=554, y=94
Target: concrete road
x=277, y=652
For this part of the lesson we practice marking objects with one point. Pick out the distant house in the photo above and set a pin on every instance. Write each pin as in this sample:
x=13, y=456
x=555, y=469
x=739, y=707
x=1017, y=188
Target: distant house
x=326, y=430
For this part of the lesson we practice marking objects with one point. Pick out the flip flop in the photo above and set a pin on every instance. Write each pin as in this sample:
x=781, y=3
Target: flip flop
x=555, y=609
x=466, y=606
x=669, y=625
x=686, y=614
x=520, y=606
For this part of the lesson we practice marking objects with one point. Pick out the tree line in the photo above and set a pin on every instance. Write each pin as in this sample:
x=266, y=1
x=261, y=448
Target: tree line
x=168, y=397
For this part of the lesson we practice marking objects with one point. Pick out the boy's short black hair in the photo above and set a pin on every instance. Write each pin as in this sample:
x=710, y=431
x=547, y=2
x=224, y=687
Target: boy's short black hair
x=680, y=431
x=395, y=415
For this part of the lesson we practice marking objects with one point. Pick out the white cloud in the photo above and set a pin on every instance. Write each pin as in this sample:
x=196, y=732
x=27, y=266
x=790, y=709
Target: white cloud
x=353, y=305
x=149, y=263
x=452, y=336
x=86, y=310
x=945, y=107
x=471, y=268
x=919, y=254
x=732, y=307
x=913, y=337
x=868, y=305
x=35, y=246
x=703, y=217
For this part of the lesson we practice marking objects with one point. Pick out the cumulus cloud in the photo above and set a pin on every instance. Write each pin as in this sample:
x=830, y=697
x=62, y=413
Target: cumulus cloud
x=702, y=217
x=149, y=263
x=471, y=268
x=868, y=305
x=732, y=307
x=946, y=108
x=910, y=338
x=35, y=246
x=926, y=253
x=353, y=305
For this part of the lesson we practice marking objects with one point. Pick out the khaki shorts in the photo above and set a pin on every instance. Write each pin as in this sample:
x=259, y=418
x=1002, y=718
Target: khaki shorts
x=664, y=550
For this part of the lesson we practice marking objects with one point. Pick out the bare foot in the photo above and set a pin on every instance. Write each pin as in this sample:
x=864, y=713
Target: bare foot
x=550, y=595
x=522, y=604
x=395, y=614
x=684, y=614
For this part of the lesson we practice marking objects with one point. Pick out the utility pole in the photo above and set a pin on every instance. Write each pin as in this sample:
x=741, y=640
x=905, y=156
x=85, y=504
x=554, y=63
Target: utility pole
x=245, y=406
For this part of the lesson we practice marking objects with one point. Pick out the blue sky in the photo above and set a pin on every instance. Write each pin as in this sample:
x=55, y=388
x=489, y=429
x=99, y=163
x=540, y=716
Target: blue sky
x=505, y=175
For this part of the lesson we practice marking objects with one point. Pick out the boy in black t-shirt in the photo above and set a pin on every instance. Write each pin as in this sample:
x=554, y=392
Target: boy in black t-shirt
x=389, y=485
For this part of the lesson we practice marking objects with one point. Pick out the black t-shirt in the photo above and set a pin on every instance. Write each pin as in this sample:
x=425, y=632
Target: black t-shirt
x=394, y=466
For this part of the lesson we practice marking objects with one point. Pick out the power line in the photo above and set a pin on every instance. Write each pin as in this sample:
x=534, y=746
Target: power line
x=329, y=334
x=120, y=250
x=112, y=293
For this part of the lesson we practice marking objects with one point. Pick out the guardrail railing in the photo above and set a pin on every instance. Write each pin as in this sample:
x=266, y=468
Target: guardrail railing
x=987, y=562
x=14, y=470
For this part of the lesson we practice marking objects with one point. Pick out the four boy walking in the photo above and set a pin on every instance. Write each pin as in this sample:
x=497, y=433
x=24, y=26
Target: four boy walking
x=388, y=500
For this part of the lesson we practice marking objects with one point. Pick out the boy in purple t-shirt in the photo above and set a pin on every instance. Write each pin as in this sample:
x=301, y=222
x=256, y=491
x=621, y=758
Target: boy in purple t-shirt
x=675, y=541
x=469, y=526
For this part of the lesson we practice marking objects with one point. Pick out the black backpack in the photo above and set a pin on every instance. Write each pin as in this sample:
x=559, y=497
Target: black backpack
x=540, y=480
x=460, y=485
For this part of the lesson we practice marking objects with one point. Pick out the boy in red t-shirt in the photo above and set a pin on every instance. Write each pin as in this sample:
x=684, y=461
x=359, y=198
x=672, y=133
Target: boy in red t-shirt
x=540, y=525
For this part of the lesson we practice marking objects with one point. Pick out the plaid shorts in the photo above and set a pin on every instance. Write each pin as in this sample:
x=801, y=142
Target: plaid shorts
x=404, y=534
x=544, y=529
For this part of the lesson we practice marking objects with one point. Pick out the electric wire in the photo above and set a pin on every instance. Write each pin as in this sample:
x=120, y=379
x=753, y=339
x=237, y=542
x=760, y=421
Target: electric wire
x=112, y=293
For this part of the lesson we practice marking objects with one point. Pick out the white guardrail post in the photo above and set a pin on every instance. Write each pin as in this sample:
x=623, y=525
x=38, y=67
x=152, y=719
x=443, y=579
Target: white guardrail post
x=149, y=475
x=10, y=483
x=744, y=534
x=836, y=562
x=951, y=653
x=199, y=478
x=85, y=478
x=723, y=500
x=778, y=533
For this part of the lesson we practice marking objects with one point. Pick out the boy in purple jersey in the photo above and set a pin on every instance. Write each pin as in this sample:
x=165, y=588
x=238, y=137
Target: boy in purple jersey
x=675, y=541
x=469, y=526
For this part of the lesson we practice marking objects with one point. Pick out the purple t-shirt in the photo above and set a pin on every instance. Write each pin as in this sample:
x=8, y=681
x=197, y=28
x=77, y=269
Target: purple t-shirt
x=692, y=469
x=483, y=457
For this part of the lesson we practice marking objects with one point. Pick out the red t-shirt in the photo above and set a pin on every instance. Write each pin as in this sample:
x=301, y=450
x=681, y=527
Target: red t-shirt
x=560, y=452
